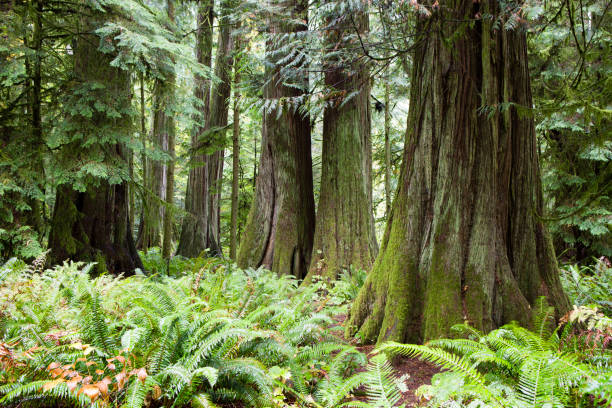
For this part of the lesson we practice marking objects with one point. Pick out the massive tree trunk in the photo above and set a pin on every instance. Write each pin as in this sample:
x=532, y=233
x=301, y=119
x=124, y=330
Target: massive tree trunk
x=201, y=226
x=92, y=224
x=280, y=227
x=463, y=241
x=344, y=235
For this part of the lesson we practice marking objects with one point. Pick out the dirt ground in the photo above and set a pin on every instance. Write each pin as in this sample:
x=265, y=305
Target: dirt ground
x=413, y=371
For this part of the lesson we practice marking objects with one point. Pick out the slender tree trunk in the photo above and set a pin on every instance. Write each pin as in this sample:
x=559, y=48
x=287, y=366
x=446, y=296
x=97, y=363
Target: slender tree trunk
x=344, y=235
x=463, y=241
x=170, y=129
x=387, y=146
x=143, y=157
x=235, y=156
x=155, y=183
x=34, y=216
x=201, y=227
x=254, y=161
x=279, y=230
x=93, y=225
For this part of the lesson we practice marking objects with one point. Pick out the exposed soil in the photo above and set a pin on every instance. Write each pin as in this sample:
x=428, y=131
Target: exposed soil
x=413, y=371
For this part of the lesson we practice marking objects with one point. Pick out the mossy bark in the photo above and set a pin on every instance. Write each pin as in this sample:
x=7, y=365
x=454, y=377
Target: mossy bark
x=344, y=233
x=93, y=224
x=169, y=147
x=279, y=231
x=201, y=226
x=150, y=231
x=235, y=153
x=463, y=241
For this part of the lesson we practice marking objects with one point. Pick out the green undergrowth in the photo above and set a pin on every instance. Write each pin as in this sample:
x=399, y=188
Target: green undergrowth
x=589, y=285
x=513, y=367
x=213, y=335
x=210, y=334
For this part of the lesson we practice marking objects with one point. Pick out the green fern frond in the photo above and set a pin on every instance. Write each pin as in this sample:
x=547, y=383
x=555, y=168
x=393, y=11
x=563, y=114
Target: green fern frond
x=137, y=392
x=202, y=400
x=381, y=388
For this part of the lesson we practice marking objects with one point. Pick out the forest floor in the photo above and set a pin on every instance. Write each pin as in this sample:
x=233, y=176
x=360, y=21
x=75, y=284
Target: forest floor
x=413, y=371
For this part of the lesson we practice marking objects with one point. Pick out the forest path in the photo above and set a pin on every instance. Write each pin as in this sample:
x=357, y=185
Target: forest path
x=413, y=371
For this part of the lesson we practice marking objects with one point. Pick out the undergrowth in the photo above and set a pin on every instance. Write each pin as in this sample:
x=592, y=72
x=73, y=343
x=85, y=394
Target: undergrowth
x=213, y=335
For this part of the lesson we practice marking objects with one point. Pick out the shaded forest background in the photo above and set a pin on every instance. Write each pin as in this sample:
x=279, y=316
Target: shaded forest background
x=157, y=50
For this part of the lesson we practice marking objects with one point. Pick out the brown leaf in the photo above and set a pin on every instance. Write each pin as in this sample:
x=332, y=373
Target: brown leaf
x=103, y=387
x=56, y=372
x=91, y=391
x=99, y=372
x=121, y=359
x=121, y=378
x=111, y=366
x=90, y=363
x=53, y=366
x=49, y=385
x=87, y=379
x=157, y=392
x=72, y=384
x=142, y=375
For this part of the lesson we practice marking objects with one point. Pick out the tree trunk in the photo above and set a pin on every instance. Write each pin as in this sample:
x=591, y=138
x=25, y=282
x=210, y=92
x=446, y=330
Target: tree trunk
x=280, y=227
x=344, y=235
x=170, y=133
x=387, y=146
x=463, y=241
x=201, y=227
x=150, y=232
x=92, y=224
x=235, y=156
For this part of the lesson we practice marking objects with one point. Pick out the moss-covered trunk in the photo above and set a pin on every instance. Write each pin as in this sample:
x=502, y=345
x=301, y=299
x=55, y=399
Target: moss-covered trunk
x=169, y=147
x=463, y=241
x=92, y=224
x=280, y=227
x=150, y=231
x=344, y=233
x=201, y=226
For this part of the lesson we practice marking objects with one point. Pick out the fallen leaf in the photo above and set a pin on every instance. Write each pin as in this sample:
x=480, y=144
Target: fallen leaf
x=49, y=385
x=142, y=375
x=91, y=391
x=157, y=392
x=72, y=384
x=121, y=377
x=53, y=366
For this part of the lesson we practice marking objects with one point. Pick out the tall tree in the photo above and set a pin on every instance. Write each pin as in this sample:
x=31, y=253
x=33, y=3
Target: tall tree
x=169, y=135
x=201, y=226
x=163, y=130
x=279, y=230
x=150, y=228
x=463, y=241
x=344, y=235
x=235, y=153
x=90, y=218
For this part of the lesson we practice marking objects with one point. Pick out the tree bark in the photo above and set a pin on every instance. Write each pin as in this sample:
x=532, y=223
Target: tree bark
x=344, y=235
x=93, y=224
x=387, y=146
x=170, y=135
x=201, y=227
x=150, y=232
x=235, y=156
x=279, y=231
x=463, y=241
